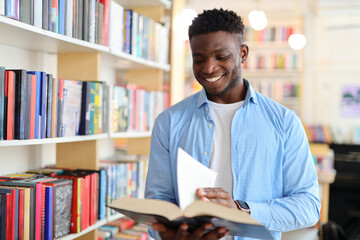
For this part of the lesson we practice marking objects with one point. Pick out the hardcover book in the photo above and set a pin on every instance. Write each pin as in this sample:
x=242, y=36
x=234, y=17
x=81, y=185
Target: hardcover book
x=149, y=211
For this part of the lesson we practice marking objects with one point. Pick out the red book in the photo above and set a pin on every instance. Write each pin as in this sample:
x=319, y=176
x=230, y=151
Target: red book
x=33, y=106
x=38, y=208
x=9, y=218
x=106, y=4
x=21, y=213
x=9, y=95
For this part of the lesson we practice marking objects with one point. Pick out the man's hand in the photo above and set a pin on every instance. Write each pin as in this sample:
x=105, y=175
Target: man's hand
x=182, y=234
x=216, y=195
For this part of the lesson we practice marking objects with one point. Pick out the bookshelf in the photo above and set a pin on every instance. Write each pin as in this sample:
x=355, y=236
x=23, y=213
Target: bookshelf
x=273, y=68
x=70, y=58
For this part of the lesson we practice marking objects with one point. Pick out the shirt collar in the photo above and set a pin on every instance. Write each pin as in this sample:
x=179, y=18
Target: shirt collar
x=250, y=95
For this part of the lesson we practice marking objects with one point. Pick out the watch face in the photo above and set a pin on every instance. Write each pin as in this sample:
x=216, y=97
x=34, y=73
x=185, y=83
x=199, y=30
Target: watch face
x=243, y=204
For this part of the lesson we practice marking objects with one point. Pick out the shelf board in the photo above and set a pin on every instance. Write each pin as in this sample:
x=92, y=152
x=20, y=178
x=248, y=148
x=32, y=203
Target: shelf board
x=22, y=35
x=130, y=134
x=25, y=36
x=125, y=61
x=9, y=143
x=143, y=3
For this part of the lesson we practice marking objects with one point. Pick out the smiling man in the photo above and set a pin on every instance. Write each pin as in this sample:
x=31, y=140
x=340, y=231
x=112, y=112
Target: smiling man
x=258, y=147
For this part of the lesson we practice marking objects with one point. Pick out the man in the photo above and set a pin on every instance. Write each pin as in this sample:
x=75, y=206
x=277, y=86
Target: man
x=258, y=147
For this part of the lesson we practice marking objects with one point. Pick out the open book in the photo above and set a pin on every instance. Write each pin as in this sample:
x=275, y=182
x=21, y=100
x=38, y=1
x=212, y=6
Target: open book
x=149, y=211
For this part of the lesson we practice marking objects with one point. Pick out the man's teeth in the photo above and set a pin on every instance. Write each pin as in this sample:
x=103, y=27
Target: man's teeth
x=213, y=79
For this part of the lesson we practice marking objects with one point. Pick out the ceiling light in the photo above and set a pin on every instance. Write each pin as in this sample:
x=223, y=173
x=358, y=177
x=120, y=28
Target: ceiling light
x=297, y=41
x=257, y=19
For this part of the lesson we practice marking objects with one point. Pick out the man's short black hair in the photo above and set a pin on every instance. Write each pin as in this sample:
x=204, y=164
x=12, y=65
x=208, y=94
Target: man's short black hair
x=218, y=20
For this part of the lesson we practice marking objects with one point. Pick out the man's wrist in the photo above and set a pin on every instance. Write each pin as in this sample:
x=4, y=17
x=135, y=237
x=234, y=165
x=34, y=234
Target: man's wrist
x=242, y=205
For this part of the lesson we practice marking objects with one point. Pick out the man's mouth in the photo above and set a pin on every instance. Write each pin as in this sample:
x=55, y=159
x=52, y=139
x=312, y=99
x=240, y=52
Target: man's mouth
x=213, y=79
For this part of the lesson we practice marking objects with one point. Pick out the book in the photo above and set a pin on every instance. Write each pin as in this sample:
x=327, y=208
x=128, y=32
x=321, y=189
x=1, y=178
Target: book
x=9, y=109
x=149, y=211
x=2, y=101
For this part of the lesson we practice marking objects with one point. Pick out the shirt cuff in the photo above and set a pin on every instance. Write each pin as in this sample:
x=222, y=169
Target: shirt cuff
x=260, y=212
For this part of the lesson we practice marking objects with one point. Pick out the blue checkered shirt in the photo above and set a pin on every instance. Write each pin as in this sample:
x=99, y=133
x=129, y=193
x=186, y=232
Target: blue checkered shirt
x=272, y=166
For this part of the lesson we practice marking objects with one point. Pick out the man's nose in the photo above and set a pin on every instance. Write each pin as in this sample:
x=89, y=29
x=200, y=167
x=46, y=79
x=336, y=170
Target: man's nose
x=209, y=66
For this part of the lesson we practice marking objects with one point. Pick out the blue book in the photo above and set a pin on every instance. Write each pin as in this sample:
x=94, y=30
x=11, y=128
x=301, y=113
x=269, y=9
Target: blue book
x=61, y=17
x=48, y=229
x=127, y=40
x=37, y=104
x=92, y=108
x=2, y=100
x=43, y=104
x=10, y=8
x=49, y=96
x=102, y=194
x=28, y=106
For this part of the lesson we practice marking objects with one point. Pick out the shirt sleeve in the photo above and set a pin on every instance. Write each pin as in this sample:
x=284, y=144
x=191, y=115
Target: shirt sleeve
x=300, y=205
x=159, y=183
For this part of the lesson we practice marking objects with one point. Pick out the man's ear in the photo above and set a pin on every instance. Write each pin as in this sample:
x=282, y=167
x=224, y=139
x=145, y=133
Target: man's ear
x=244, y=52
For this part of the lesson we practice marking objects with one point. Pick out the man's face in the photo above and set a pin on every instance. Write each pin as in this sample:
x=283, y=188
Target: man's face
x=217, y=59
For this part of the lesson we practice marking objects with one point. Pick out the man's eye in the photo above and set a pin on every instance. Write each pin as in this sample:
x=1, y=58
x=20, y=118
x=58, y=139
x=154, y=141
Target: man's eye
x=221, y=58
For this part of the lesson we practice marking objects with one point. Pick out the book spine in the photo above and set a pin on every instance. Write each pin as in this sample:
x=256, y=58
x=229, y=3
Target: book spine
x=43, y=104
x=61, y=16
x=20, y=92
x=10, y=106
x=60, y=109
x=48, y=213
x=54, y=108
x=49, y=99
x=45, y=14
x=2, y=101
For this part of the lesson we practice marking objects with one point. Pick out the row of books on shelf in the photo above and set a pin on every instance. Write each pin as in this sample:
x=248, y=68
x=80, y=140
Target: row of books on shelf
x=269, y=34
x=319, y=133
x=97, y=21
x=122, y=229
x=50, y=203
x=272, y=61
x=82, y=19
x=135, y=109
x=278, y=90
x=137, y=34
x=35, y=105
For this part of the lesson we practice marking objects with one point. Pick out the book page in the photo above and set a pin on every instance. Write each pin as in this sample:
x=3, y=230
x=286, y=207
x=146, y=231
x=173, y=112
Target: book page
x=191, y=175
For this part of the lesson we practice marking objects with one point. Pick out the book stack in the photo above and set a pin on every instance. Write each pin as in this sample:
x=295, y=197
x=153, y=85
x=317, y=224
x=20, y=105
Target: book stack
x=269, y=34
x=272, y=61
x=35, y=105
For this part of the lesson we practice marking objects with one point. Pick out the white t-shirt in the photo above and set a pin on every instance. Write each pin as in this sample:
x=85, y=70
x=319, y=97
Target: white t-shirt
x=220, y=157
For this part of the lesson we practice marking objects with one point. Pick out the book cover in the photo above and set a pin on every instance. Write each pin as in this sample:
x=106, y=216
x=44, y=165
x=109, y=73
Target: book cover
x=38, y=13
x=54, y=107
x=149, y=211
x=3, y=215
x=76, y=201
x=61, y=16
x=2, y=101
x=43, y=105
x=105, y=25
x=38, y=102
x=48, y=230
x=32, y=98
x=60, y=108
x=49, y=98
x=116, y=26
x=92, y=107
x=9, y=105
x=45, y=14
x=92, y=21
x=54, y=16
x=85, y=109
x=62, y=206
x=69, y=18
x=97, y=107
x=24, y=11
x=11, y=212
x=70, y=119
x=21, y=213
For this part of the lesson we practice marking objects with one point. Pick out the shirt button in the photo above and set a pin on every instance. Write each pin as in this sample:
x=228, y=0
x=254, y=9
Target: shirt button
x=205, y=153
x=209, y=125
x=207, y=109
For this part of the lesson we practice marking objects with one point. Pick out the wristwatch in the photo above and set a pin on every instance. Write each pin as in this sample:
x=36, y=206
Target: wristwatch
x=243, y=206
